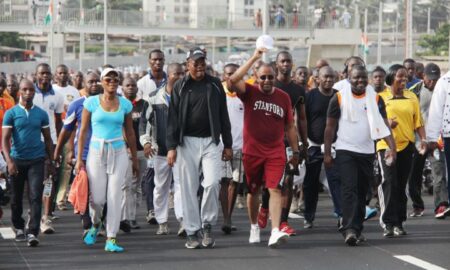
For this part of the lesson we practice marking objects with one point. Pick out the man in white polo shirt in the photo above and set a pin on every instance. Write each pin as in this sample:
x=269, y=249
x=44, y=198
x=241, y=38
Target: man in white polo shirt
x=53, y=104
x=70, y=94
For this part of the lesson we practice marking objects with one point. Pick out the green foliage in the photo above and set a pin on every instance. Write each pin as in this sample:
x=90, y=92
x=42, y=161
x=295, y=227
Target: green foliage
x=436, y=44
x=12, y=39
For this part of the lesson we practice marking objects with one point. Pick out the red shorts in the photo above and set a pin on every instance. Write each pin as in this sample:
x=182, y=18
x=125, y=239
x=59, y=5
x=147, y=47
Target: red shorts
x=259, y=170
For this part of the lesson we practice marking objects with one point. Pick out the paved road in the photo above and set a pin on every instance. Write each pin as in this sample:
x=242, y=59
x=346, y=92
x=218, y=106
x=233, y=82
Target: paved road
x=427, y=244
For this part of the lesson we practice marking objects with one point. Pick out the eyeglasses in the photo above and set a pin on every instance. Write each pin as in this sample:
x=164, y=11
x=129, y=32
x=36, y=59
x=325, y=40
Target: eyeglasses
x=266, y=77
x=111, y=80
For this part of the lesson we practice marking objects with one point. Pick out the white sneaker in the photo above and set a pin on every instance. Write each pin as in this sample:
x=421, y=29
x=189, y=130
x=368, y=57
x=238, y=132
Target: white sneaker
x=46, y=225
x=277, y=238
x=254, y=236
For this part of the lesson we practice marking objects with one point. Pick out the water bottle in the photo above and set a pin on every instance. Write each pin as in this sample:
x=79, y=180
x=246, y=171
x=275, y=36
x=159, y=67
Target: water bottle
x=150, y=163
x=289, y=154
x=388, y=160
x=48, y=183
x=436, y=154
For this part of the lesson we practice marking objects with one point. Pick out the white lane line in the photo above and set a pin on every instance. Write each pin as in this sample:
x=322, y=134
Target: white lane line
x=418, y=262
x=7, y=233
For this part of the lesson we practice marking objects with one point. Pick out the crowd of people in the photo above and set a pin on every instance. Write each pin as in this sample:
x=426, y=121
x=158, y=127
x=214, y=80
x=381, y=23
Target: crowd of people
x=182, y=137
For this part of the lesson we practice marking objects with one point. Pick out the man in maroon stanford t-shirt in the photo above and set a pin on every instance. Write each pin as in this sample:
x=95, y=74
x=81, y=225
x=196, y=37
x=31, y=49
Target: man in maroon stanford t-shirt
x=267, y=116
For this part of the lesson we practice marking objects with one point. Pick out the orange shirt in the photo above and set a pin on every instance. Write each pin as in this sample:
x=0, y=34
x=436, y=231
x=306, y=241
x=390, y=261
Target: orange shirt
x=5, y=104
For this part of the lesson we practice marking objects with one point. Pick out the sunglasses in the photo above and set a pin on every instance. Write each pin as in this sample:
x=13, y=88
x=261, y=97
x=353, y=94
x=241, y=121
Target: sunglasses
x=111, y=80
x=266, y=77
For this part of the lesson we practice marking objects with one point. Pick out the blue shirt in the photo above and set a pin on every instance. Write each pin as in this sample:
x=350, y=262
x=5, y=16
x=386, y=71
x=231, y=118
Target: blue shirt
x=107, y=125
x=412, y=82
x=26, y=131
x=73, y=118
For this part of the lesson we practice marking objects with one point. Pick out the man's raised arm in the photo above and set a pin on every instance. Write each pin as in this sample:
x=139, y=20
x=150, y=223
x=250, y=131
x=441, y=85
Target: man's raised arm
x=236, y=82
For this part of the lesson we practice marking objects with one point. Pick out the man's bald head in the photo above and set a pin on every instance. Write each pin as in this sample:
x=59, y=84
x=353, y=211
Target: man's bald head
x=26, y=83
x=321, y=63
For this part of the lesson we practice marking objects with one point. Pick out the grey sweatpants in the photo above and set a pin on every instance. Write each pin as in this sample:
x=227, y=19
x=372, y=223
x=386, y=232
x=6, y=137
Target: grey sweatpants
x=194, y=155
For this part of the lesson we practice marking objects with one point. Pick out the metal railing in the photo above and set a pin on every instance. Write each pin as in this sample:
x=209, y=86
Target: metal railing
x=126, y=18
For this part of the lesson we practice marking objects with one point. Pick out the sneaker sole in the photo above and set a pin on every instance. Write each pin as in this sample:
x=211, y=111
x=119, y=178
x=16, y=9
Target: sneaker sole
x=447, y=212
x=279, y=242
x=210, y=245
x=48, y=231
x=33, y=243
x=114, y=251
x=351, y=241
x=191, y=247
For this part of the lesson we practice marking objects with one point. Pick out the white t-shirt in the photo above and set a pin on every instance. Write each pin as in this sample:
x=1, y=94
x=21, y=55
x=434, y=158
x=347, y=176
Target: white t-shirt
x=236, y=113
x=69, y=93
x=51, y=103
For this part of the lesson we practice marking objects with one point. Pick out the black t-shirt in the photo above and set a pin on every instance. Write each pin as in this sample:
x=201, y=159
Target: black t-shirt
x=316, y=114
x=197, y=118
x=295, y=92
x=334, y=109
x=136, y=112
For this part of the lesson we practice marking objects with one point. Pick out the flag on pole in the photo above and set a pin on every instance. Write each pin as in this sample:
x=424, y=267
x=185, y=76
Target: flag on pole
x=365, y=44
x=49, y=15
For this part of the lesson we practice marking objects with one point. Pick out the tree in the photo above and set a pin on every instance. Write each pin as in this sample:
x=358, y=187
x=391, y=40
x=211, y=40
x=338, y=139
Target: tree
x=12, y=39
x=436, y=44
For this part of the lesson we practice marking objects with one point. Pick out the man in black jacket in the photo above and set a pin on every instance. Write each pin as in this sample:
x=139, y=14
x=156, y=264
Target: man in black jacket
x=198, y=116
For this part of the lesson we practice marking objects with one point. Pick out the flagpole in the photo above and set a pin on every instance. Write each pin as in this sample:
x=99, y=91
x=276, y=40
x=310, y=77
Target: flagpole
x=366, y=39
x=52, y=54
x=105, y=33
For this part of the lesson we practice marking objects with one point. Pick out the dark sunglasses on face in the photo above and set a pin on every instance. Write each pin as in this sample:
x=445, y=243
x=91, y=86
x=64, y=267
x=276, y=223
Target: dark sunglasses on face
x=111, y=80
x=266, y=77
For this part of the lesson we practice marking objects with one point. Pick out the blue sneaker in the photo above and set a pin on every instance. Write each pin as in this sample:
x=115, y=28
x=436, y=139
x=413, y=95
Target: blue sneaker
x=111, y=246
x=370, y=213
x=91, y=236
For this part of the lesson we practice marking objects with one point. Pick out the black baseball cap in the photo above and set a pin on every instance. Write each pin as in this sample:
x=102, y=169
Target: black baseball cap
x=196, y=53
x=432, y=71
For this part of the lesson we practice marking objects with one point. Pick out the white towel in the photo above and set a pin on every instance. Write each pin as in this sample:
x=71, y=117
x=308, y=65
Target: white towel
x=378, y=128
x=348, y=103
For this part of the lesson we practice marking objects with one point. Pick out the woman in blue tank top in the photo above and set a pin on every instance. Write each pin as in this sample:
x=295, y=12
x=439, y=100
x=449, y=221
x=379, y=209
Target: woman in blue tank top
x=110, y=118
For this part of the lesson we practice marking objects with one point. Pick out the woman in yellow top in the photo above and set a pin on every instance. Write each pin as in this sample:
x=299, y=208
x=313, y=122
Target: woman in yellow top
x=403, y=112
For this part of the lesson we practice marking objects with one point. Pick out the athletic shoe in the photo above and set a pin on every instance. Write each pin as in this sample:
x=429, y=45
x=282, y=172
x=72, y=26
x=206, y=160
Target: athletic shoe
x=32, y=240
x=277, y=238
x=351, y=239
x=254, y=235
x=240, y=202
x=46, y=225
x=151, y=218
x=399, y=231
x=20, y=236
x=284, y=227
x=441, y=212
x=91, y=237
x=361, y=239
x=208, y=239
x=163, y=229
x=307, y=224
x=111, y=246
x=370, y=213
x=181, y=231
x=226, y=229
x=388, y=231
x=62, y=207
x=125, y=226
x=134, y=225
x=263, y=215
x=192, y=241
x=417, y=212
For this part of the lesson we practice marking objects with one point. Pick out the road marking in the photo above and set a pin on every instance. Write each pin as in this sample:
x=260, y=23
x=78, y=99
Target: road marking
x=7, y=233
x=418, y=262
